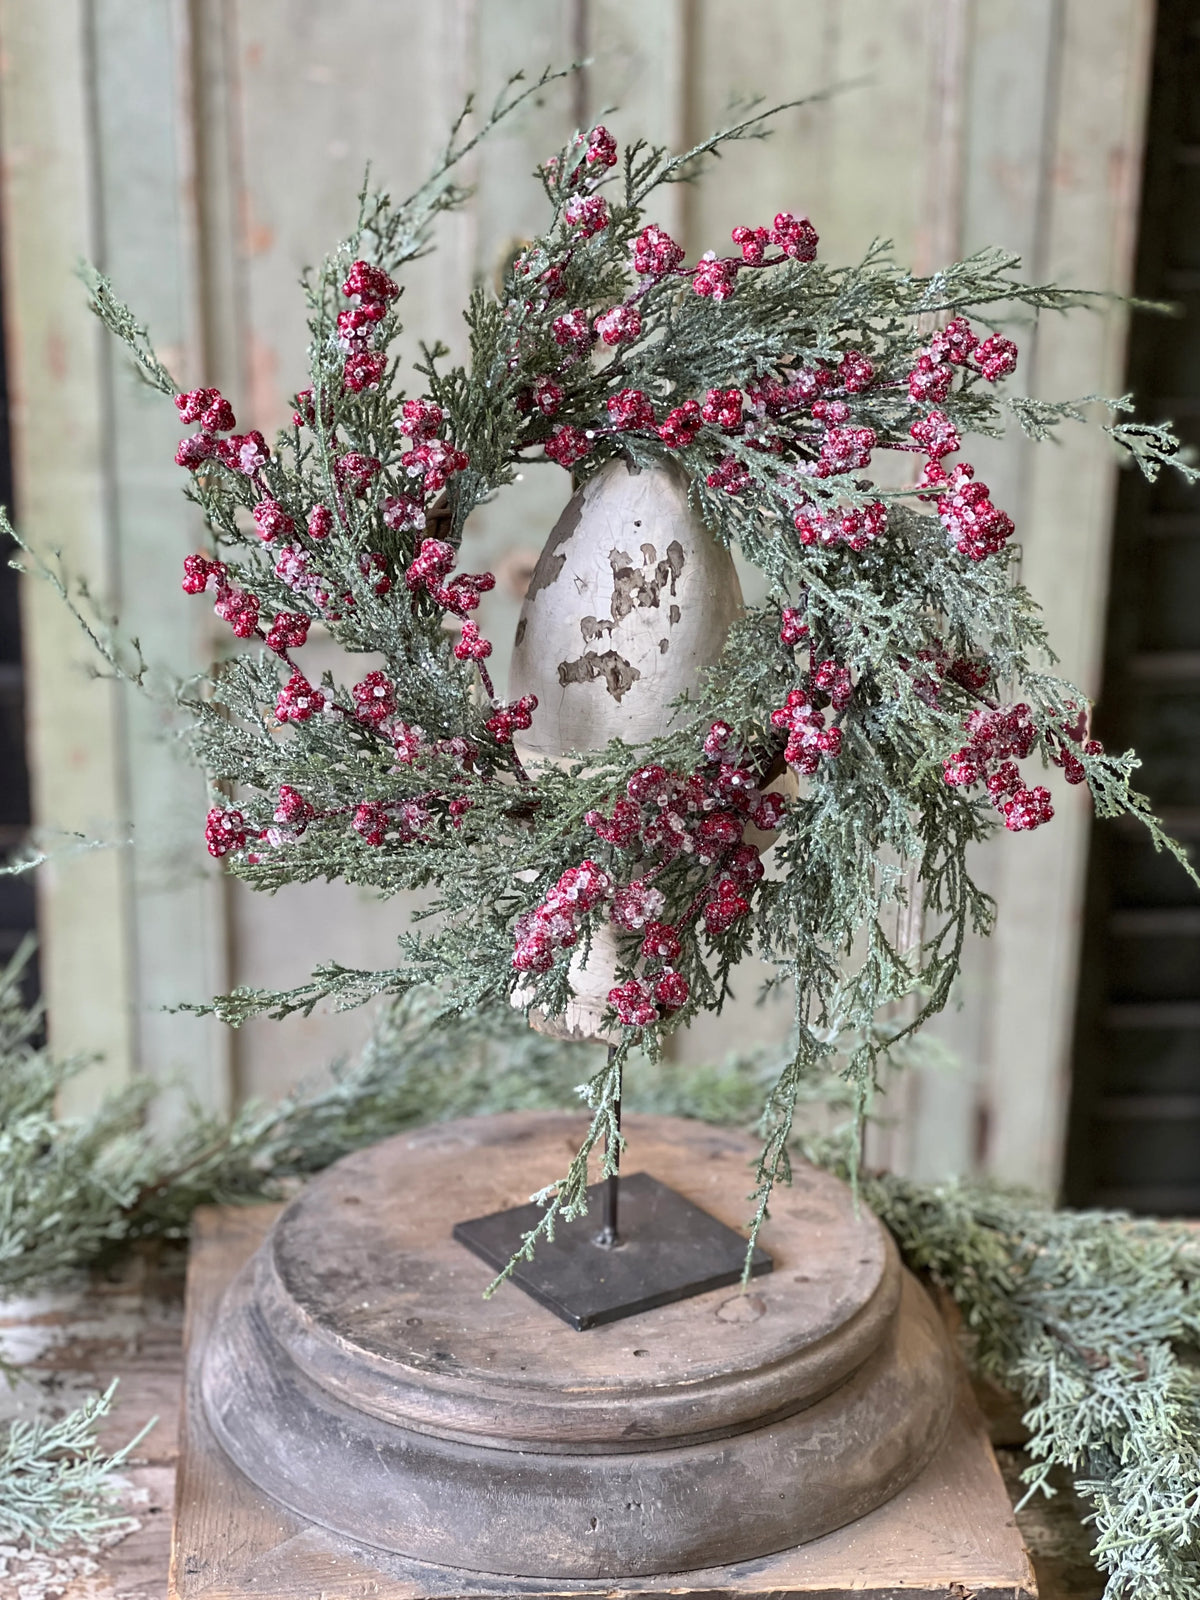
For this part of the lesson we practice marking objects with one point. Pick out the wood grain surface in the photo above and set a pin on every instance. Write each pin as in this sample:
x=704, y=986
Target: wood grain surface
x=953, y=1526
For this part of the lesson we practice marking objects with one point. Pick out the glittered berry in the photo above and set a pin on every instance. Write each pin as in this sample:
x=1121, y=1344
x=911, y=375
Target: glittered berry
x=655, y=252
x=298, y=700
x=471, y=645
x=572, y=330
x=795, y=236
x=601, y=148
x=367, y=282
x=791, y=629
x=954, y=342
x=363, y=371
x=224, y=831
x=996, y=358
x=936, y=435
x=567, y=445
x=714, y=278
x=622, y=829
x=199, y=572
x=671, y=990
x=855, y=372
x=420, y=420
x=929, y=380
x=374, y=698
x=320, y=522
x=633, y=1003
x=246, y=453
x=635, y=906
x=271, y=521
x=717, y=739
x=723, y=407
x=729, y=474
x=681, y=425
x=547, y=396
x=588, y=213
x=239, y=610
x=288, y=631
x=621, y=325
x=195, y=450
x=646, y=782
x=356, y=472
x=1028, y=808
x=845, y=450
x=630, y=408
x=661, y=942
x=371, y=821
x=293, y=809
x=754, y=242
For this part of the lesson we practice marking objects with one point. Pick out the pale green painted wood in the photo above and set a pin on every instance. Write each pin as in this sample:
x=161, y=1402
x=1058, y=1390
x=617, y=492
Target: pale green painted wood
x=1093, y=159
x=175, y=895
x=75, y=725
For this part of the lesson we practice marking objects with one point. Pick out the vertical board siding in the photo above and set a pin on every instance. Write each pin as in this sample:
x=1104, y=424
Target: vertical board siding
x=75, y=736
x=954, y=124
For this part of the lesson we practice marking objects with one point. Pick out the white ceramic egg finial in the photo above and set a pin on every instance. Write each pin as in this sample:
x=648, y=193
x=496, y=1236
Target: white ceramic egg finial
x=631, y=599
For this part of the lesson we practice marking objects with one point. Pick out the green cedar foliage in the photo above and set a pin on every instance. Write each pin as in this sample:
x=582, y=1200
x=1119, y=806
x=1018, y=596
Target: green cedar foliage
x=1092, y=1319
x=927, y=636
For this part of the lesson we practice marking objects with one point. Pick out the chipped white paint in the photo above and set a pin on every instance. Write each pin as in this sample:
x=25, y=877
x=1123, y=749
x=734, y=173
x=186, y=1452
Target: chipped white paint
x=630, y=599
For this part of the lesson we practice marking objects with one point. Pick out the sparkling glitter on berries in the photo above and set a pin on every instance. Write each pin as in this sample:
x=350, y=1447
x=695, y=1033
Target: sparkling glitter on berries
x=723, y=407
x=587, y=213
x=288, y=631
x=298, y=701
x=795, y=236
x=714, y=277
x=855, y=372
x=936, y=435
x=374, y=698
x=224, y=830
x=240, y=610
x=996, y=358
x=471, y=645
x=753, y=242
x=319, y=522
x=729, y=474
x=199, y=574
x=271, y=521
x=630, y=409
x=567, y=445
x=655, y=252
x=681, y=425
x=572, y=330
x=634, y=1004
x=929, y=380
x=621, y=325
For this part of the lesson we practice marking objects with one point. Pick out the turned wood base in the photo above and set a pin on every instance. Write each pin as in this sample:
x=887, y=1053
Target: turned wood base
x=394, y=1434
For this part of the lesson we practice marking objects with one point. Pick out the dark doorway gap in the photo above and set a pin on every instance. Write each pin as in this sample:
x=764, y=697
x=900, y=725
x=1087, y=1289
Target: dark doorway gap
x=1134, y=1138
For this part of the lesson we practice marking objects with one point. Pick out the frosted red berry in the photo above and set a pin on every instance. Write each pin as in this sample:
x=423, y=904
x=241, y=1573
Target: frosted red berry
x=795, y=236
x=723, y=407
x=996, y=358
x=567, y=445
x=621, y=325
x=681, y=425
x=297, y=701
x=224, y=830
x=288, y=631
x=629, y=409
x=655, y=252
x=714, y=277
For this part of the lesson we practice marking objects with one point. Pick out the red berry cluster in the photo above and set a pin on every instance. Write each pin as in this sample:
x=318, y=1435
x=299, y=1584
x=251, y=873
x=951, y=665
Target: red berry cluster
x=1000, y=736
x=553, y=924
x=697, y=819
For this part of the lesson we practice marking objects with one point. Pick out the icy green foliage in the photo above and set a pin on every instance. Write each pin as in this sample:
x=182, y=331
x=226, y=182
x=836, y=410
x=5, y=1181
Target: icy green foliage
x=56, y=1484
x=920, y=614
x=1093, y=1320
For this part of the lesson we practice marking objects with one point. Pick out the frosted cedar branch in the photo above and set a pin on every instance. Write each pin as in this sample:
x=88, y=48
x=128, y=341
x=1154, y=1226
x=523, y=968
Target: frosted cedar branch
x=895, y=665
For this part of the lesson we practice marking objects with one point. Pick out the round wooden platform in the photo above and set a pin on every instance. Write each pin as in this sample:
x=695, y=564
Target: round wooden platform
x=358, y=1376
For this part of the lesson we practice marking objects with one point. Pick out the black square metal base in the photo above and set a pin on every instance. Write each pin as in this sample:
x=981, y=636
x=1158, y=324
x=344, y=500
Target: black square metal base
x=669, y=1250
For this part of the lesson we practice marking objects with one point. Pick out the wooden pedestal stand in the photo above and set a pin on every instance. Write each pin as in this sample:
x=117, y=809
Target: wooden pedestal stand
x=397, y=1435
